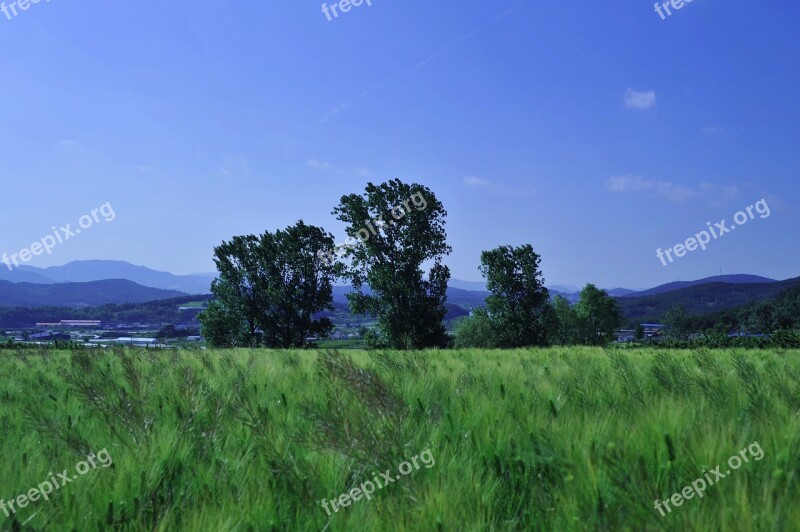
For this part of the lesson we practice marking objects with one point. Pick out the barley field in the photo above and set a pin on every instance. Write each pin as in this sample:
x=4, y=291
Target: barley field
x=554, y=439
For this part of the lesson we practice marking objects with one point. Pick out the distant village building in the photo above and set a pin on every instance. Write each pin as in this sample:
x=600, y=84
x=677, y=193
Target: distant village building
x=654, y=332
x=625, y=336
x=82, y=323
x=94, y=324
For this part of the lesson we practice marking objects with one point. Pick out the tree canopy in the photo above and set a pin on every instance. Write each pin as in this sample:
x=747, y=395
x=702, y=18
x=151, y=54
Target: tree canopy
x=269, y=288
x=400, y=228
x=599, y=316
x=518, y=298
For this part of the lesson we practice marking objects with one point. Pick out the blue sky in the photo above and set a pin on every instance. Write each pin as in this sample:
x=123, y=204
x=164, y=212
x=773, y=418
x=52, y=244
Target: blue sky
x=597, y=132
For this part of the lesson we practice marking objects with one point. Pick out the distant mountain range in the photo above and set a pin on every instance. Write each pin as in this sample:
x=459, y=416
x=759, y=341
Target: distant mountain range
x=77, y=295
x=476, y=286
x=702, y=299
x=99, y=282
x=564, y=288
x=100, y=270
x=677, y=285
x=620, y=292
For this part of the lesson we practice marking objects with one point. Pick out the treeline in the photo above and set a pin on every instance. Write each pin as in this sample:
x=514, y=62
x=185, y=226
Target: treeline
x=780, y=339
x=593, y=320
x=780, y=313
x=273, y=289
x=770, y=323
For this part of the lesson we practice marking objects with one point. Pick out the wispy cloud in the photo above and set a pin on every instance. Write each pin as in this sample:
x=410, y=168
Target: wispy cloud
x=325, y=166
x=720, y=193
x=344, y=105
x=146, y=169
x=472, y=181
x=320, y=165
x=640, y=100
x=235, y=165
x=671, y=191
x=463, y=37
x=335, y=111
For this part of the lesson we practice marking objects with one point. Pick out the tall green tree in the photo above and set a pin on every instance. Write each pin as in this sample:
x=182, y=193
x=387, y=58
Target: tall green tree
x=231, y=319
x=679, y=323
x=518, y=300
x=599, y=316
x=562, y=327
x=399, y=227
x=269, y=288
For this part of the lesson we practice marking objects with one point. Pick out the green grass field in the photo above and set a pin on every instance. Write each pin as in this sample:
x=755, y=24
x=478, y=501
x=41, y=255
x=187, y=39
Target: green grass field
x=559, y=439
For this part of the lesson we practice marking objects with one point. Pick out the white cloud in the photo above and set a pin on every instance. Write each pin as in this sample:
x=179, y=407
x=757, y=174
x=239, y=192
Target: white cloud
x=333, y=112
x=629, y=183
x=640, y=99
x=722, y=193
x=146, y=169
x=325, y=166
x=320, y=165
x=635, y=183
x=671, y=191
x=235, y=165
x=472, y=181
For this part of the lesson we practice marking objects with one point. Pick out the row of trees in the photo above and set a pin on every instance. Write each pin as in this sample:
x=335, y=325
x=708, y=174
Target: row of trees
x=271, y=287
x=762, y=318
x=594, y=320
x=781, y=313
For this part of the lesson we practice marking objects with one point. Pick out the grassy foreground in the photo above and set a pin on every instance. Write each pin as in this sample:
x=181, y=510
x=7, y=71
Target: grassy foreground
x=559, y=439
